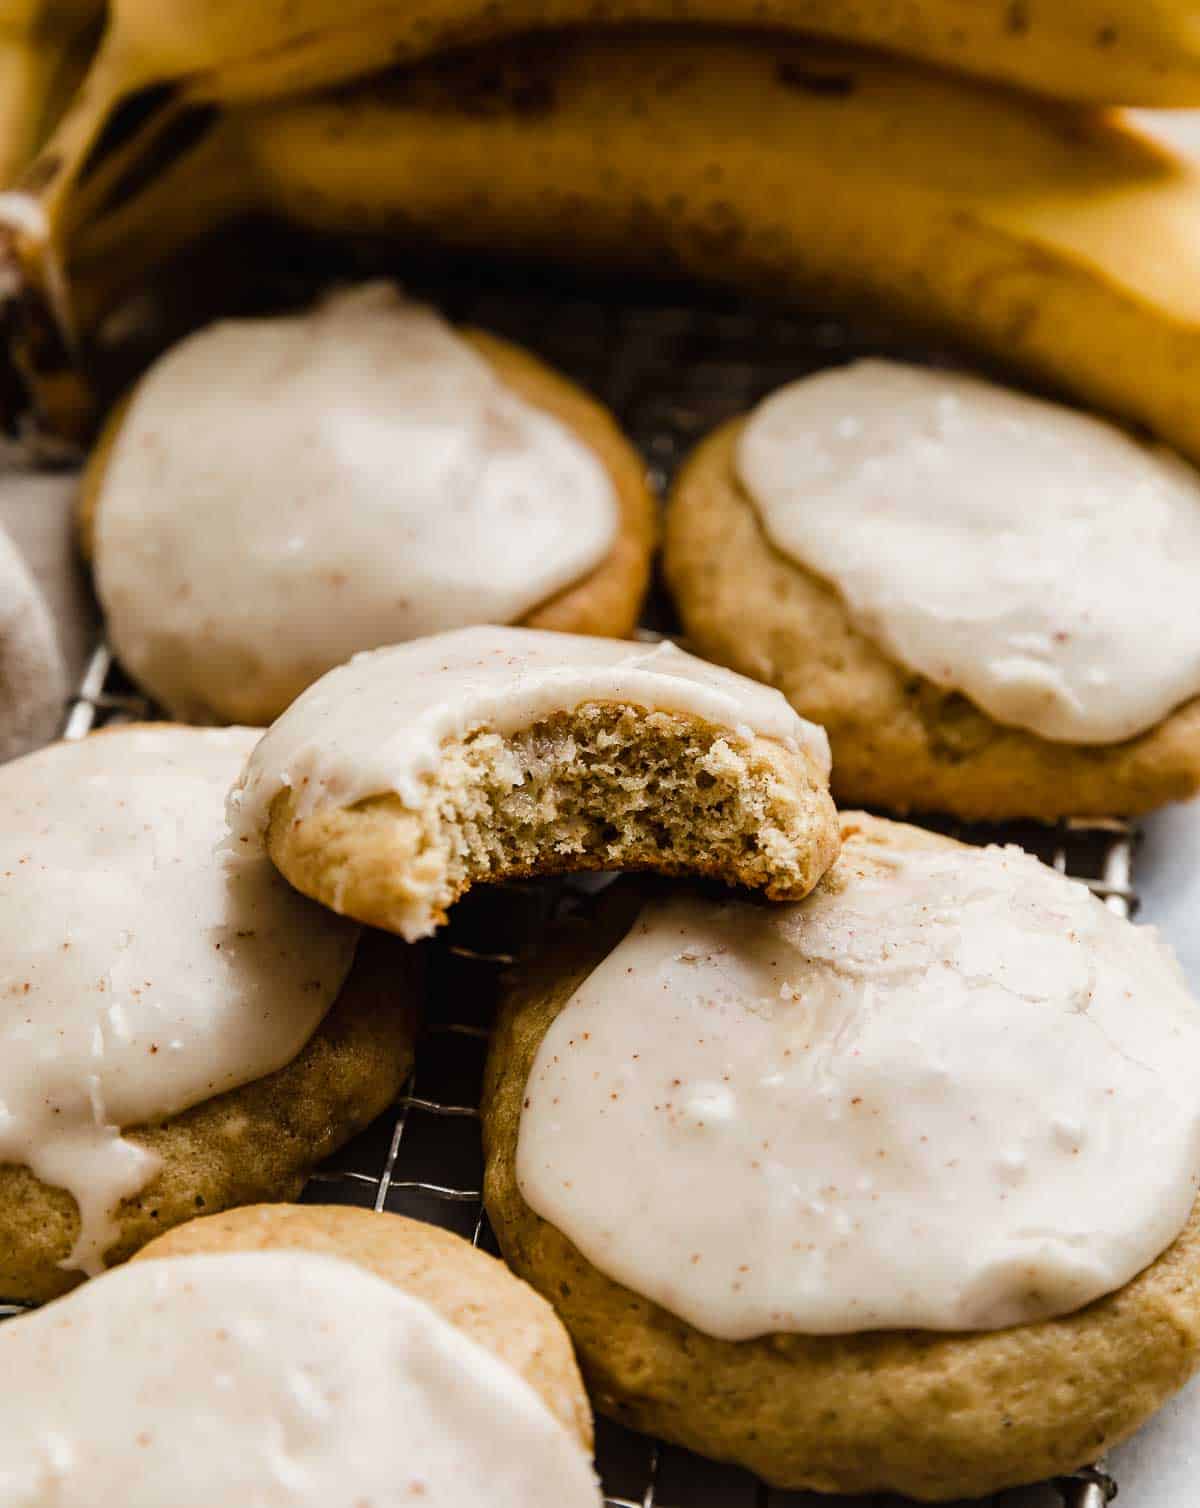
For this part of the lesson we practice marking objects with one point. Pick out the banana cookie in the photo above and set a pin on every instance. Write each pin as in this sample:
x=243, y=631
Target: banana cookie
x=323, y=1358
x=892, y=1189
x=181, y=1031
x=400, y=780
x=279, y=494
x=988, y=600
x=33, y=678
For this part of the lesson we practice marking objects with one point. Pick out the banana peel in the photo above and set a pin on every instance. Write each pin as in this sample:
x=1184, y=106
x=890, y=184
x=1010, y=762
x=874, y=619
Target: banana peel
x=1059, y=245
x=44, y=50
x=1115, y=52
x=160, y=59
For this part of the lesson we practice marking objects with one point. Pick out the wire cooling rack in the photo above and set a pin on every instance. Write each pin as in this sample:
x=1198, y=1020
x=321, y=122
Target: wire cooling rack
x=422, y=1157
x=670, y=373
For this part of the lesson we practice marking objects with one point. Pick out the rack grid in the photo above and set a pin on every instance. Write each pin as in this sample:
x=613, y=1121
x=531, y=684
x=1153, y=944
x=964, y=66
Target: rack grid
x=670, y=372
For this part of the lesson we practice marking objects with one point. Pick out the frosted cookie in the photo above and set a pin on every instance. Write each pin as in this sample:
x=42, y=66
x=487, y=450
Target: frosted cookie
x=33, y=681
x=472, y=1290
x=403, y=778
x=316, y=1358
x=280, y=494
x=179, y=1030
x=987, y=600
x=889, y=1190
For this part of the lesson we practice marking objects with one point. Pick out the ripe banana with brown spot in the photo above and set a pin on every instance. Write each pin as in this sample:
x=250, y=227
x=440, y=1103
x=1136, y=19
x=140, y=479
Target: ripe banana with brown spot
x=158, y=57
x=1062, y=245
x=1103, y=51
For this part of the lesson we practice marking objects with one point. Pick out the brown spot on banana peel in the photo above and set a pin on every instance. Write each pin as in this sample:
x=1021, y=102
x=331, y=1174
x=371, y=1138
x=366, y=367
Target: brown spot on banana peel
x=795, y=76
x=1016, y=18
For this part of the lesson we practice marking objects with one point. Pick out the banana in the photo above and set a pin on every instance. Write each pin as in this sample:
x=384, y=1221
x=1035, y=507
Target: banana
x=1059, y=245
x=1063, y=246
x=1115, y=51
x=162, y=57
x=44, y=46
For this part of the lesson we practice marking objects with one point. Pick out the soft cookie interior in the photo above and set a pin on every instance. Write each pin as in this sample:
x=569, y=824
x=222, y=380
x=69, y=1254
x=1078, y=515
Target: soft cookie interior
x=606, y=786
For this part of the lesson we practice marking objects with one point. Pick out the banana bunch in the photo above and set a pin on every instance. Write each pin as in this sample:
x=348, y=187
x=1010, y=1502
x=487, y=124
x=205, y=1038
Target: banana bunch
x=44, y=46
x=159, y=58
x=1061, y=245
x=1051, y=238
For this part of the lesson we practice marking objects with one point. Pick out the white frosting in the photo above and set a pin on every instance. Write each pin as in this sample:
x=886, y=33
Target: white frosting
x=285, y=492
x=956, y=1094
x=141, y=970
x=33, y=680
x=278, y=1379
x=1033, y=558
x=377, y=725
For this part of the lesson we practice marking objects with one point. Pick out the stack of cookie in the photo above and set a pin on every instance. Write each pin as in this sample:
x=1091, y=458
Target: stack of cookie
x=833, y=1147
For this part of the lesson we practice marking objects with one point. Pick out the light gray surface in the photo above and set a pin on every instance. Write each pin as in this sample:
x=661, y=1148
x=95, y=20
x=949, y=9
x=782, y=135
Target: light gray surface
x=1168, y=877
x=37, y=511
x=1160, y=1466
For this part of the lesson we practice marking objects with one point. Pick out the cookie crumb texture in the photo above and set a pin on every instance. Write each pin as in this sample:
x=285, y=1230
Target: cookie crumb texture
x=899, y=742
x=603, y=787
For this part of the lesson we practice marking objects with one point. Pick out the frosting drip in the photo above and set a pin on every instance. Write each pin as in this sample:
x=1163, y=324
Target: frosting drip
x=1036, y=559
x=949, y=1091
x=377, y=725
x=298, y=489
x=142, y=971
x=282, y=1379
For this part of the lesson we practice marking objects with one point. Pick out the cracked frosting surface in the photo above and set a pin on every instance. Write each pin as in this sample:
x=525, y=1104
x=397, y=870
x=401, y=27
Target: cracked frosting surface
x=949, y=1091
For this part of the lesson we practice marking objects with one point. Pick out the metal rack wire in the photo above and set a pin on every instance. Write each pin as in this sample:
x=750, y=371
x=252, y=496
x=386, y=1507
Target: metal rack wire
x=669, y=373
x=423, y=1157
